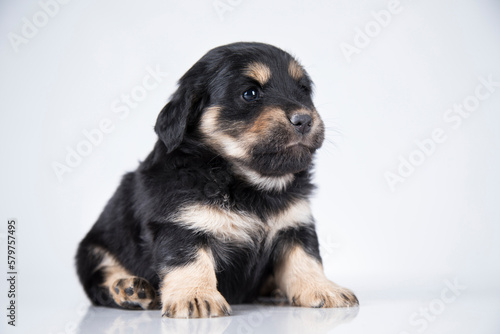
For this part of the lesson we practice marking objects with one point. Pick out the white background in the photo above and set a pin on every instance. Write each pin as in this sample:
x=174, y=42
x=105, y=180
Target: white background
x=442, y=223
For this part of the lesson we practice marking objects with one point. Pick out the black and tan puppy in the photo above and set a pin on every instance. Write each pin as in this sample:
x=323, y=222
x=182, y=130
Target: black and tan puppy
x=219, y=212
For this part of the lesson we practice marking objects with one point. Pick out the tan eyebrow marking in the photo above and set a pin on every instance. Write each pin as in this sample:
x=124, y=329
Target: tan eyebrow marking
x=259, y=72
x=295, y=70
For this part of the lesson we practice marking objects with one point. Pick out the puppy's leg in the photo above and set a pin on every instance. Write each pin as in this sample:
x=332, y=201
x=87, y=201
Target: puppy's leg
x=190, y=290
x=128, y=291
x=299, y=274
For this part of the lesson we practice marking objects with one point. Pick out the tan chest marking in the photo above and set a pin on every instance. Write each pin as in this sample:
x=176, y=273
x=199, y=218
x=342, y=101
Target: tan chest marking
x=232, y=225
x=296, y=214
x=269, y=183
x=228, y=225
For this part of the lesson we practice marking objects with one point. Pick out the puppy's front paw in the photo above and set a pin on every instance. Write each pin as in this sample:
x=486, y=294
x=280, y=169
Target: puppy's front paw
x=322, y=294
x=195, y=304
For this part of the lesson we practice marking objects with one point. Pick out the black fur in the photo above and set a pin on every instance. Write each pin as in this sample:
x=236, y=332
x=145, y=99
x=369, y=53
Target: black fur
x=183, y=168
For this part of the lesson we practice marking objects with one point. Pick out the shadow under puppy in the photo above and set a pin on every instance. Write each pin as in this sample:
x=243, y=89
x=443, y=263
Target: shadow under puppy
x=219, y=211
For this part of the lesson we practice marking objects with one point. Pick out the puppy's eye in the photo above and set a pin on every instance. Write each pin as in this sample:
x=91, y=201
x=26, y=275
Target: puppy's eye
x=251, y=94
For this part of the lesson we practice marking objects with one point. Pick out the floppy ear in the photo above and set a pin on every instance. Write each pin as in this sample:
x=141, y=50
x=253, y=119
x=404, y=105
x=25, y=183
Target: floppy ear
x=171, y=122
x=183, y=108
x=188, y=101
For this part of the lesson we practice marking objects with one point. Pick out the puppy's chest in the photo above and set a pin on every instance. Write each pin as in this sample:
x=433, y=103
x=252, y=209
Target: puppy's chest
x=229, y=224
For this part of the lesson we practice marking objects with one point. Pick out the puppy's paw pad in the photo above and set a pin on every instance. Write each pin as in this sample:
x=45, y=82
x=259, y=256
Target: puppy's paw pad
x=133, y=293
x=205, y=304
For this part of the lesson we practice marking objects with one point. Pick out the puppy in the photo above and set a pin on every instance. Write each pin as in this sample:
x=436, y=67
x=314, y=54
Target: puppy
x=219, y=212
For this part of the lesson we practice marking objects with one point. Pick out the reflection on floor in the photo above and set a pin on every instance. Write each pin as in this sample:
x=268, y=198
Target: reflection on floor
x=468, y=313
x=245, y=319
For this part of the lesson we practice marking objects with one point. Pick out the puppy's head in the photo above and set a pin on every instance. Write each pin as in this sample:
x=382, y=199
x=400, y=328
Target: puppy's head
x=250, y=103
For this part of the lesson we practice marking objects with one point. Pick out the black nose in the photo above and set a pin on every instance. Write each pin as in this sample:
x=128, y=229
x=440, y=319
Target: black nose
x=301, y=122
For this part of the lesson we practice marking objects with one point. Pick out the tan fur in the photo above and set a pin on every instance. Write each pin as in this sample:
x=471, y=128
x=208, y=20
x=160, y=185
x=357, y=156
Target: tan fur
x=296, y=214
x=262, y=182
x=228, y=225
x=259, y=72
x=295, y=70
x=239, y=148
x=111, y=267
x=268, y=119
x=234, y=225
x=229, y=146
x=272, y=117
x=117, y=279
x=302, y=279
x=317, y=122
x=191, y=291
